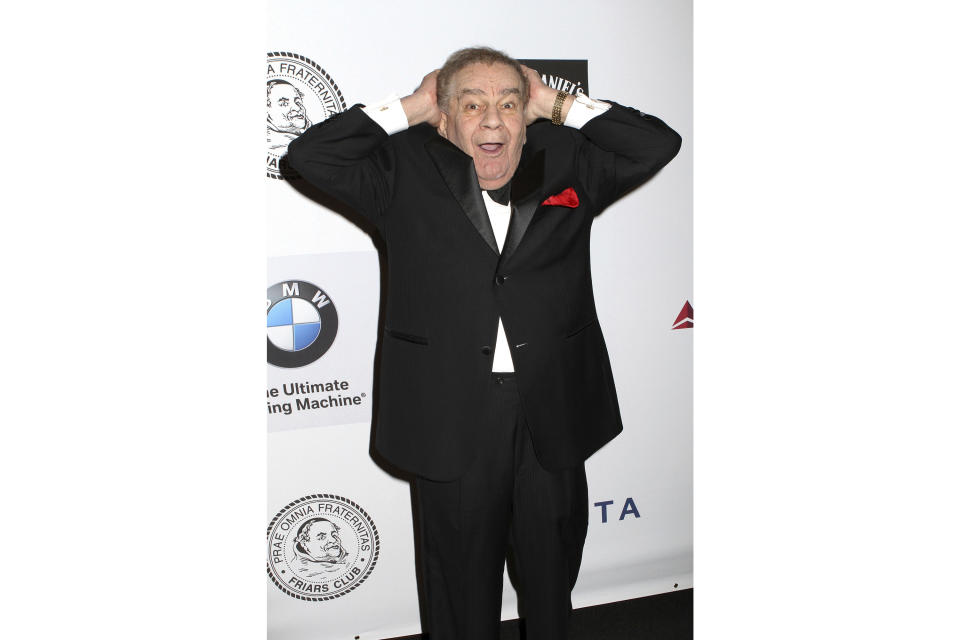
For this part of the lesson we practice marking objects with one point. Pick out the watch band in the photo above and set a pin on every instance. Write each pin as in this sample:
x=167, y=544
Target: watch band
x=558, y=107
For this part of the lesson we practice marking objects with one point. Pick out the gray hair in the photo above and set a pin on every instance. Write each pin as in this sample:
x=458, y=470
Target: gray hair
x=473, y=55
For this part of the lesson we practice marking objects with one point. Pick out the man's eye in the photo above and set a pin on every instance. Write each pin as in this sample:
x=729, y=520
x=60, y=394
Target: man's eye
x=473, y=107
x=508, y=105
x=323, y=536
x=284, y=102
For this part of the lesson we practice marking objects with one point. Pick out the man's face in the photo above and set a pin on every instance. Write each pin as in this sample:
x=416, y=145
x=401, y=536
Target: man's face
x=322, y=539
x=484, y=118
x=285, y=110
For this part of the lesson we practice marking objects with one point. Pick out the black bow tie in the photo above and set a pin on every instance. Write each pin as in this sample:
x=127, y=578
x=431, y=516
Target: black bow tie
x=501, y=195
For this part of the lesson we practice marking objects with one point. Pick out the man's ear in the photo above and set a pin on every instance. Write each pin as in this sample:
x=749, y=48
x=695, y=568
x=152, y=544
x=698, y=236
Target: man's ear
x=442, y=128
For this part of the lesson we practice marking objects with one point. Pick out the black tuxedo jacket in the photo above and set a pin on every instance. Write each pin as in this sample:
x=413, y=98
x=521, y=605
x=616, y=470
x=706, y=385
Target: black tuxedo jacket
x=448, y=283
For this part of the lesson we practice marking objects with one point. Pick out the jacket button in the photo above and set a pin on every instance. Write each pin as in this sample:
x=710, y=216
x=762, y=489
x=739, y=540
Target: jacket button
x=501, y=279
x=486, y=351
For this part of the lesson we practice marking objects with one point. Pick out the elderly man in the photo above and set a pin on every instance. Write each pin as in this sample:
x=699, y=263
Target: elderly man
x=495, y=384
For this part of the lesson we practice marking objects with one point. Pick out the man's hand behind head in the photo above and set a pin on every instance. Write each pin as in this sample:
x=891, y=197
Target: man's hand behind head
x=542, y=97
x=421, y=105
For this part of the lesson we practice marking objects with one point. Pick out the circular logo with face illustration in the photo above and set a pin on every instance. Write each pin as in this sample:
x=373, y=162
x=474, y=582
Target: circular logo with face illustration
x=299, y=93
x=321, y=547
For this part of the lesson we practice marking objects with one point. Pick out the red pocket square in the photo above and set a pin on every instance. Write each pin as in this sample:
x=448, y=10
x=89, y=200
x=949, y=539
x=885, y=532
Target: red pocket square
x=566, y=198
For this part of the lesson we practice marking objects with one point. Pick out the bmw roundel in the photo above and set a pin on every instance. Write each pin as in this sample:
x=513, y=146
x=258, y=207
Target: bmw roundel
x=301, y=323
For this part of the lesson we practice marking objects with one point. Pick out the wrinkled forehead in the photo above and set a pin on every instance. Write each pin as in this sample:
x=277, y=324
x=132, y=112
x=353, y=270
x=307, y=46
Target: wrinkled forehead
x=491, y=80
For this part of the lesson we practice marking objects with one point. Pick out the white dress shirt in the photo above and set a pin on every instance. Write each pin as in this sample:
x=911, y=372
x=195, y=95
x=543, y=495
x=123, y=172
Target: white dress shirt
x=500, y=221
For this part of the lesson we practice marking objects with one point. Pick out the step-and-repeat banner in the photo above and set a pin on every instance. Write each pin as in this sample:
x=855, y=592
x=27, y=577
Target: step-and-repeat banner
x=339, y=545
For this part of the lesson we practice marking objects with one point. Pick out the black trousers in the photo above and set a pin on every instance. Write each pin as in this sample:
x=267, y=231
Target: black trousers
x=505, y=497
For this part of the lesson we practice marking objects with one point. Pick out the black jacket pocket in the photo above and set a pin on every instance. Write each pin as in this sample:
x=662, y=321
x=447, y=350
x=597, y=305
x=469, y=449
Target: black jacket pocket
x=581, y=328
x=408, y=337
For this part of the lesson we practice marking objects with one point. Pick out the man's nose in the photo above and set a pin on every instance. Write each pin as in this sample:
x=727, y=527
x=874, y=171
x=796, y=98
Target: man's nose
x=491, y=119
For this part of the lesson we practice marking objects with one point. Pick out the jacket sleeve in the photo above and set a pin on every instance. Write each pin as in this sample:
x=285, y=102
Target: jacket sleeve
x=350, y=157
x=622, y=149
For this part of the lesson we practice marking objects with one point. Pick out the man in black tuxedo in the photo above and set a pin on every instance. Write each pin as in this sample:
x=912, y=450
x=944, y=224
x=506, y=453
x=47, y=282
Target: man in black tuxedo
x=495, y=384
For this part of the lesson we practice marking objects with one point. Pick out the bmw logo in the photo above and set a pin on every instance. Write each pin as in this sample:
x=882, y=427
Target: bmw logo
x=301, y=323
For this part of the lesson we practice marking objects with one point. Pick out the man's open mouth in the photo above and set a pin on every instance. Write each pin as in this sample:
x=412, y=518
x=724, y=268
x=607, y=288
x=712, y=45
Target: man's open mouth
x=492, y=148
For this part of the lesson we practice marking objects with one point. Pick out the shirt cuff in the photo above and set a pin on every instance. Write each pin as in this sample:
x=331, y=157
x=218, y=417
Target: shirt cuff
x=389, y=114
x=583, y=110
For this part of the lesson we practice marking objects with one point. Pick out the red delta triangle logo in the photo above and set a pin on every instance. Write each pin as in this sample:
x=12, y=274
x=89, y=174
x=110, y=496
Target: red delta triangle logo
x=685, y=319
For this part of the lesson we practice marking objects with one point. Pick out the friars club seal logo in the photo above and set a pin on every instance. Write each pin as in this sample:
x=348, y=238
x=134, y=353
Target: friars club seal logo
x=299, y=94
x=301, y=323
x=321, y=547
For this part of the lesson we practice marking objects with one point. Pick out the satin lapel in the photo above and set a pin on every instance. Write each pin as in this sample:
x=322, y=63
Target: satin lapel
x=525, y=197
x=456, y=169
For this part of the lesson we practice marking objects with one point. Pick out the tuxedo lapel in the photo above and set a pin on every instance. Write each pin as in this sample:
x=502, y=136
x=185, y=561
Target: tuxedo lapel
x=525, y=196
x=456, y=169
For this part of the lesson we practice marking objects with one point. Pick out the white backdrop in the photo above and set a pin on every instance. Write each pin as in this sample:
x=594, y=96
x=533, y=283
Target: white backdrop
x=639, y=53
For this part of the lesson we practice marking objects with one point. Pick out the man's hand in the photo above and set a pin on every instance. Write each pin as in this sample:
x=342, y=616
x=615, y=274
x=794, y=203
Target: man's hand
x=421, y=105
x=542, y=97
